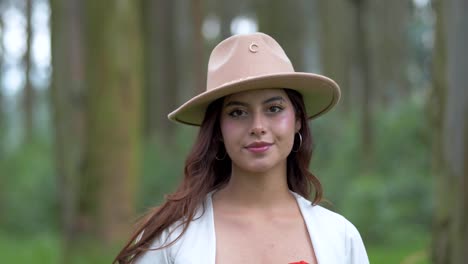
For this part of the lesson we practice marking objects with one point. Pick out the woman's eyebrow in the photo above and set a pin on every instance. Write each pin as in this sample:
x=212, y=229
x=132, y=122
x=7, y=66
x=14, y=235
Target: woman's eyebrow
x=238, y=103
x=276, y=98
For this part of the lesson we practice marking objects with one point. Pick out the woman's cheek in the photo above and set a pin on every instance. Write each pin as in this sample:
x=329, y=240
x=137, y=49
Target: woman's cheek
x=226, y=126
x=285, y=122
x=229, y=129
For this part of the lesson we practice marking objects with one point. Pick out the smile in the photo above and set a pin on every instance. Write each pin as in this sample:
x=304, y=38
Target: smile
x=258, y=147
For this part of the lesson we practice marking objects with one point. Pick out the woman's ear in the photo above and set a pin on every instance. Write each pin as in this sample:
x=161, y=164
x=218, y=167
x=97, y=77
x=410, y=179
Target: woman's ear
x=298, y=124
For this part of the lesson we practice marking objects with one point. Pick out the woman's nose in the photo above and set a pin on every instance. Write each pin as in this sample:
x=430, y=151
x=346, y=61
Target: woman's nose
x=258, y=126
x=258, y=131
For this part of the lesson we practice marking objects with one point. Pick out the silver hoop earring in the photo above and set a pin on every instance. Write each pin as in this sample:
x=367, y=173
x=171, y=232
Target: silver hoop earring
x=216, y=157
x=300, y=143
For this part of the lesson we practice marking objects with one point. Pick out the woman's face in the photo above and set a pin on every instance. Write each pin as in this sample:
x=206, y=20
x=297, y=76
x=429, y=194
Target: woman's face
x=258, y=129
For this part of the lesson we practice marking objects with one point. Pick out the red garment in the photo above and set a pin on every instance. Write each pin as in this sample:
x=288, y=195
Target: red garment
x=300, y=262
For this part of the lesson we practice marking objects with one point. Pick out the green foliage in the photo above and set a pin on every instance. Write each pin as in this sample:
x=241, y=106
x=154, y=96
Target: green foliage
x=415, y=250
x=35, y=249
x=163, y=167
x=46, y=248
x=391, y=200
x=387, y=202
x=29, y=201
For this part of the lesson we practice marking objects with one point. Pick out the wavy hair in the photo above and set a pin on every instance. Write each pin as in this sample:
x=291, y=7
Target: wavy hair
x=204, y=173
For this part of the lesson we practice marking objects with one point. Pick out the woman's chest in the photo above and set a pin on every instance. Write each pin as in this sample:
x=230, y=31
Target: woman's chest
x=263, y=242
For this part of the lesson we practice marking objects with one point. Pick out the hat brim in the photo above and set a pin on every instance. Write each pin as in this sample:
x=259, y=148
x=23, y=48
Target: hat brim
x=319, y=92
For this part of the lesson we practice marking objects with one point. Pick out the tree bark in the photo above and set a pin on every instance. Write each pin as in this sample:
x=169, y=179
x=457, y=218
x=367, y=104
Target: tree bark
x=198, y=47
x=167, y=91
x=114, y=68
x=455, y=123
x=338, y=47
x=28, y=93
x=271, y=17
x=440, y=245
x=227, y=11
x=363, y=63
x=388, y=46
x=2, y=65
x=450, y=230
x=2, y=117
x=150, y=18
x=68, y=111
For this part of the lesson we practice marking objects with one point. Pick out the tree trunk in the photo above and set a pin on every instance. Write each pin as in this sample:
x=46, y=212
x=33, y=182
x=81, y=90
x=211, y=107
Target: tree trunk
x=388, y=47
x=198, y=47
x=114, y=68
x=271, y=17
x=450, y=233
x=2, y=65
x=2, y=118
x=362, y=60
x=150, y=18
x=67, y=96
x=28, y=93
x=337, y=45
x=227, y=11
x=440, y=247
x=168, y=87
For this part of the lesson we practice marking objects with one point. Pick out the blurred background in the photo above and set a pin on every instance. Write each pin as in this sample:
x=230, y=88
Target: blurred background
x=86, y=148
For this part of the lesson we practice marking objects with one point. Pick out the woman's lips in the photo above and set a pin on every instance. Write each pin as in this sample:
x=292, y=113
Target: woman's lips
x=258, y=147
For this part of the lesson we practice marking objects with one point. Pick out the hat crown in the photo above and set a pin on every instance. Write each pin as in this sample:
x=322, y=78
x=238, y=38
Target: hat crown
x=245, y=56
x=255, y=61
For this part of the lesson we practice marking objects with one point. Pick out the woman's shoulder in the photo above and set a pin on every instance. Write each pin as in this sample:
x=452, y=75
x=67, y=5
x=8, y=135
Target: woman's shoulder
x=326, y=220
x=189, y=238
x=319, y=211
x=333, y=220
x=334, y=232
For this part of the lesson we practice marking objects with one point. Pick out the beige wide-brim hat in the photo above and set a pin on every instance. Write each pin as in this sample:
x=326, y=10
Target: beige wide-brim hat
x=256, y=61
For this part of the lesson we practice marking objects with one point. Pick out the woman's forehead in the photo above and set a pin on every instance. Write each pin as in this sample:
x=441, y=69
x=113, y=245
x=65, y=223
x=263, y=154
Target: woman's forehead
x=256, y=95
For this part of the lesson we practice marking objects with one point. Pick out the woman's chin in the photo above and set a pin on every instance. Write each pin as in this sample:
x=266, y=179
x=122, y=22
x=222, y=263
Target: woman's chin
x=258, y=167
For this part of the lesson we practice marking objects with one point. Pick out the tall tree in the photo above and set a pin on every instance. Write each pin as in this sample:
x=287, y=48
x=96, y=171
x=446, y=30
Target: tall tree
x=2, y=60
x=28, y=92
x=2, y=117
x=337, y=45
x=450, y=234
x=227, y=11
x=284, y=21
x=388, y=45
x=363, y=60
x=198, y=46
x=68, y=94
x=113, y=77
x=168, y=67
x=150, y=21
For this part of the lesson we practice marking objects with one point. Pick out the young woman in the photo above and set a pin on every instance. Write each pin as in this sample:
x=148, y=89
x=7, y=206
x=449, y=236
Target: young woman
x=244, y=195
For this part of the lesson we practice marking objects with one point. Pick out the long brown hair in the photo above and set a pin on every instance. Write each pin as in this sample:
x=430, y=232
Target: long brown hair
x=204, y=173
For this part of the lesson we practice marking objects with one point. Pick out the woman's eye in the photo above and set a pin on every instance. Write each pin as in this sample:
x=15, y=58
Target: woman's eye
x=237, y=113
x=275, y=109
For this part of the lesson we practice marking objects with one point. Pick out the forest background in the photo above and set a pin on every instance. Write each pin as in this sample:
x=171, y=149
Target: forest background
x=86, y=148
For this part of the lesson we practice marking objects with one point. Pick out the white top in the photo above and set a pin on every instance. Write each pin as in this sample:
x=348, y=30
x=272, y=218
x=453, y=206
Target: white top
x=334, y=238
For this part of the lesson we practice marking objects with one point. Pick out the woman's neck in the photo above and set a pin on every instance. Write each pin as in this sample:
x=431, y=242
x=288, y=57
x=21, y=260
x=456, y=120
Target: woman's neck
x=256, y=190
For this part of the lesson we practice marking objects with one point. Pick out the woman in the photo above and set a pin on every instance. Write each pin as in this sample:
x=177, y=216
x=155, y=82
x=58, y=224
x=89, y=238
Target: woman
x=243, y=197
